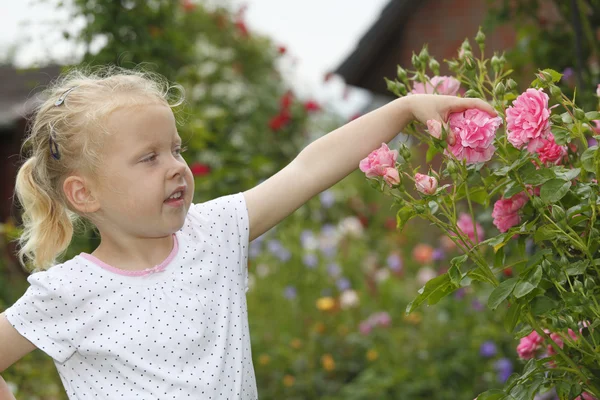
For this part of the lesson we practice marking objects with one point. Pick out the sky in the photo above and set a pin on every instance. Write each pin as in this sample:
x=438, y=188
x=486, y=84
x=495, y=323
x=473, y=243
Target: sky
x=318, y=36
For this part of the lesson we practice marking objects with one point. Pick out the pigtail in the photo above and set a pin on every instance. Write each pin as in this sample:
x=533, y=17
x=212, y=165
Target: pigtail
x=47, y=224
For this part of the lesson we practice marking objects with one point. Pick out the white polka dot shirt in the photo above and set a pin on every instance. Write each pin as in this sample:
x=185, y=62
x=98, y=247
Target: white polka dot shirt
x=180, y=332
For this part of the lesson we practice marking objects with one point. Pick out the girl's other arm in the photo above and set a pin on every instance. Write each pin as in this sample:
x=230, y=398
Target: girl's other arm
x=332, y=157
x=5, y=393
x=13, y=346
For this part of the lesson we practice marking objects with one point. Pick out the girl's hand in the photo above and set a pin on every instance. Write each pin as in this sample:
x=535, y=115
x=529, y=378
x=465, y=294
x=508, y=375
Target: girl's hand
x=424, y=107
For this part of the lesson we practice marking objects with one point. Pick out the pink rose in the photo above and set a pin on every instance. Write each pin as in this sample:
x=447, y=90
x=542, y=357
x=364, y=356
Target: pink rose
x=529, y=345
x=506, y=211
x=598, y=90
x=586, y=395
x=474, y=131
x=377, y=163
x=465, y=224
x=426, y=184
x=550, y=152
x=528, y=120
x=596, y=127
x=559, y=341
x=435, y=128
x=391, y=176
x=438, y=85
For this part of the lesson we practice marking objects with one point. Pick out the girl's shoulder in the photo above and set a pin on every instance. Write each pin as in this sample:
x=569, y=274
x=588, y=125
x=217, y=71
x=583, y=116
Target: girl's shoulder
x=63, y=274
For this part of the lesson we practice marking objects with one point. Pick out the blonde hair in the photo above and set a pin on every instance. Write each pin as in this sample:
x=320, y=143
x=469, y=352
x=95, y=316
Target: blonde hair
x=72, y=131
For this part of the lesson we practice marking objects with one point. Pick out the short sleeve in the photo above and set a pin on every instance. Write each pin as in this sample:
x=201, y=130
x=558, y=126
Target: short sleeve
x=226, y=219
x=44, y=317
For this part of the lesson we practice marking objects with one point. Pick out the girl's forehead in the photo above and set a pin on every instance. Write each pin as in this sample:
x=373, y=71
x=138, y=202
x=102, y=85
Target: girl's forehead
x=142, y=122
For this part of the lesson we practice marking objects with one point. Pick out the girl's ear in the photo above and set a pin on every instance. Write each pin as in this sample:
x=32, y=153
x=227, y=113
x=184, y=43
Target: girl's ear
x=79, y=195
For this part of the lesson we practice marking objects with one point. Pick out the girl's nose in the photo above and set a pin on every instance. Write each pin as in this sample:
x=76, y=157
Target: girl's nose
x=178, y=166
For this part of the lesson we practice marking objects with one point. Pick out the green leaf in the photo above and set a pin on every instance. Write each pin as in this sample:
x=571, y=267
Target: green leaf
x=437, y=284
x=544, y=232
x=542, y=304
x=562, y=136
x=479, y=196
x=568, y=174
x=554, y=190
x=512, y=317
x=494, y=394
x=539, y=176
x=431, y=152
x=501, y=292
x=528, y=282
x=592, y=115
x=404, y=215
x=577, y=268
x=455, y=275
x=587, y=159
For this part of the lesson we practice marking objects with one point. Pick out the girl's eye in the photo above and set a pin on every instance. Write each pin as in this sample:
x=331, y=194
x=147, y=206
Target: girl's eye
x=180, y=150
x=150, y=159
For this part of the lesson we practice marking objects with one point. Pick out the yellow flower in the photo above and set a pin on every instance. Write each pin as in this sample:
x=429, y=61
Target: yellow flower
x=413, y=318
x=326, y=303
x=288, y=380
x=296, y=343
x=328, y=362
x=319, y=327
x=372, y=355
x=264, y=359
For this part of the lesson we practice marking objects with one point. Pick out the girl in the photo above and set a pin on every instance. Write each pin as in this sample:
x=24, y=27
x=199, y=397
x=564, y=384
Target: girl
x=158, y=310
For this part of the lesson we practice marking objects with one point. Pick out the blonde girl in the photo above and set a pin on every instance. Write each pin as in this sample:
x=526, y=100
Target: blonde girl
x=158, y=309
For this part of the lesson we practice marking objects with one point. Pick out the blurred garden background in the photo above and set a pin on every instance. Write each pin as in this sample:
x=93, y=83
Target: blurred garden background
x=329, y=286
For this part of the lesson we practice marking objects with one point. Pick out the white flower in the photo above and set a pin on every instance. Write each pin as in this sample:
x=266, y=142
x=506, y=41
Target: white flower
x=382, y=274
x=351, y=226
x=263, y=270
x=425, y=274
x=349, y=299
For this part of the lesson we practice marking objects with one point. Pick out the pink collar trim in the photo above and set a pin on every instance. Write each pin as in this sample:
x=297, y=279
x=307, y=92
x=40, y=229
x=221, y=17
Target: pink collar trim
x=148, y=271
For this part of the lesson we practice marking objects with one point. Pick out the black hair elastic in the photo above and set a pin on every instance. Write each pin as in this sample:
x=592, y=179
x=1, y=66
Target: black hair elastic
x=53, y=145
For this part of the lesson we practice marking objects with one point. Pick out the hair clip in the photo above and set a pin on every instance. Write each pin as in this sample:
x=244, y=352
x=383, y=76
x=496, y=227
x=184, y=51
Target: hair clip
x=62, y=98
x=53, y=145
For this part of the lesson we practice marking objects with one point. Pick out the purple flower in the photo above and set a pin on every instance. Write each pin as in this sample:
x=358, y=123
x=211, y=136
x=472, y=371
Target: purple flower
x=591, y=141
x=310, y=260
x=343, y=284
x=568, y=73
x=488, y=349
x=477, y=306
x=274, y=246
x=334, y=270
x=394, y=262
x=254, y=250
x=460, y=293
x=438, y=254
x=290, y=292
x=504, y=368
x=306, y=237
x=327, y=198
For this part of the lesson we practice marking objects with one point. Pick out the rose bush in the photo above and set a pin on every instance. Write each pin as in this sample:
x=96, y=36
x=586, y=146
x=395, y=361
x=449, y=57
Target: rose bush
x=529, y=176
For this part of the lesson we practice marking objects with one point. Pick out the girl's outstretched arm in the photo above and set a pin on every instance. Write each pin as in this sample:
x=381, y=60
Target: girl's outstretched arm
x=332, y=157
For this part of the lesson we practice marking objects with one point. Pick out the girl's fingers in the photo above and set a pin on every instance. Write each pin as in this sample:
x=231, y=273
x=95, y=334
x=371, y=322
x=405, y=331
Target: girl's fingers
x=479, y=104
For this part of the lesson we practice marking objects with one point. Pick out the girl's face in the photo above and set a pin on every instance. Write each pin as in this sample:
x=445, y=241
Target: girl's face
x=142, y=168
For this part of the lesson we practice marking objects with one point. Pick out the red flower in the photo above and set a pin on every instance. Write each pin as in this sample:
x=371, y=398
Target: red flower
x=312, y=105
x=286, y=100
x=199, y=169
x=281, y=50
x=242, y=28
x=280, y=120
x=188, y=5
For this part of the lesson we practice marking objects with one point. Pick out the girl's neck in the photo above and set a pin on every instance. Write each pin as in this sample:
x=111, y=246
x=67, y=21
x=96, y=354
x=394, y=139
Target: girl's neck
x=134, y=254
